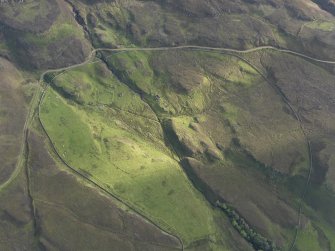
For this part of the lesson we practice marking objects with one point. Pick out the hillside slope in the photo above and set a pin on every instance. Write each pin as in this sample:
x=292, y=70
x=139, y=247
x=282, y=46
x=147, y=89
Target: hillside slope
x=167, y=125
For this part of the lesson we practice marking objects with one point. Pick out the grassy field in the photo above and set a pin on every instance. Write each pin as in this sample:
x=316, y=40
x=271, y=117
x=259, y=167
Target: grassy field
x=131, y=166
x=100, y=221
x=170, y=90
x=94, y=85
x=122, y=141
x=308, y=239
x=125, y=123
x=58, y=31
x=218, y=108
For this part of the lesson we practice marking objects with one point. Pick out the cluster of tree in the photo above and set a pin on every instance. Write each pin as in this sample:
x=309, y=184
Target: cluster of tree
x=48, y=78
x=259, y=242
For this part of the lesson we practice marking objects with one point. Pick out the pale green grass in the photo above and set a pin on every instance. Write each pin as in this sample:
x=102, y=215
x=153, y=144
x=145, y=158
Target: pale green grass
x=307, y=239
x=328, y=231
x=55, y=114
x=231, y=112
x=63, y=27
x=321, y=25
x=58, y=31
x=106, y=33
x=129, y=165
x=137, y=71
x=111, y=37
x=245, y=75
x=246, y=68
x=3, y=47
x=192, y=133
x=124, y=151
x=93, y=84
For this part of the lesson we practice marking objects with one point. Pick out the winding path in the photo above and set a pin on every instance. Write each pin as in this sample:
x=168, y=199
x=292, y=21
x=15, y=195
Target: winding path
x=232, y=52
x=191, y=47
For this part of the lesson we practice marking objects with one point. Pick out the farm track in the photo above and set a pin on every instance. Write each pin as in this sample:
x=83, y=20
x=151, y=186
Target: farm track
x=233, y=52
